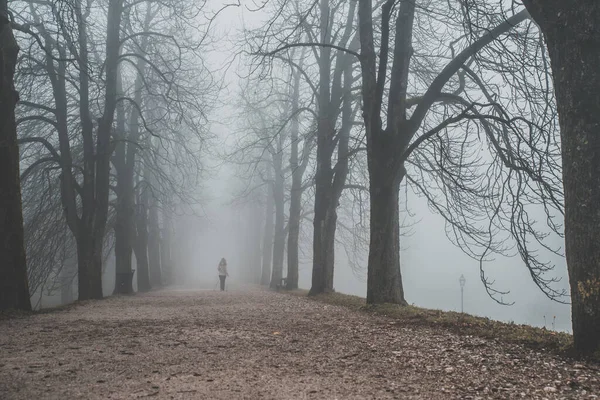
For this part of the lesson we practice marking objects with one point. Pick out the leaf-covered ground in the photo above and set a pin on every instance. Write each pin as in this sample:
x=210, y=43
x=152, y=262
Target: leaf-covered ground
x=251, y=344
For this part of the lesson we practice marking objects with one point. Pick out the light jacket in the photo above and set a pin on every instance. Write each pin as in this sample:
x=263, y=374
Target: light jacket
x=223, y=269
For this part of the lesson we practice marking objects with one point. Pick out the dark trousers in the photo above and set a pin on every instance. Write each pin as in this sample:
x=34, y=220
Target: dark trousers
x=222, y=279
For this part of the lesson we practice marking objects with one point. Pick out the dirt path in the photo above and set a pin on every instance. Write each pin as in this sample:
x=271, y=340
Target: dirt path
x=261, y=345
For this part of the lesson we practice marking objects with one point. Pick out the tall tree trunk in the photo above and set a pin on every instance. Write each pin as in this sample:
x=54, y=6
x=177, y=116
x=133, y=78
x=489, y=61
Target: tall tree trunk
x=126, y=155
x=141, y=242
x=97, y=262
x=267, y=253
x=85, y=260
x=384, y=279
x=325, y=146
x=84, y=231
x=294, y=236
x=325, y=219
x=329, y=181
x=154, y=245
x=14, y=289
x=296, y=190
x=572, y=34
x=279, y=242
x=386, y=170
x=165, y=247
x=124, y=226
x=124, y=221
x=254, y=240
x=153, y=233
x=99, y=214
x=337, y=181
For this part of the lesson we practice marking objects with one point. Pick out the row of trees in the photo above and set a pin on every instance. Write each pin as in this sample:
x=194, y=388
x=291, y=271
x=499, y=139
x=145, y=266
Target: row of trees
x=111, y=120
x=346, y=102
x=453, y=100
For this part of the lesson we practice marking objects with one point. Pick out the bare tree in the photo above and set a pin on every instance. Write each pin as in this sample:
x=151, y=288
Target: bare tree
x=127, y=138
x=298, y=164
x=59, y=117
x=65, y=47
x=390, y=145
x=572, y=35
x=267, y=254
x=328, y=29
x=14, y=292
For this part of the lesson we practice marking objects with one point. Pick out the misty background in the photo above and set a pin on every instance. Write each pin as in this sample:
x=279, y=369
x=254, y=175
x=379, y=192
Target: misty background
x=431, y=265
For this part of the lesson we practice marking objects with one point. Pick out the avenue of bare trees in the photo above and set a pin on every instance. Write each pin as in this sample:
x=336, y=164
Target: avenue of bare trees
x=485, y=110
x=111, y=117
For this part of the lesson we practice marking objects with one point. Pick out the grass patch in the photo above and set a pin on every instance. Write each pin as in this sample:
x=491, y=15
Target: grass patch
x=463, y=324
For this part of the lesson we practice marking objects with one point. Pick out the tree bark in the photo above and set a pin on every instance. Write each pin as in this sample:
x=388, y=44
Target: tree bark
x=124, y=221
x=125, y=158
x=154, y=245
x=85, y=261
x=124, y=241
x=103, y=143
x=295, y=192
x=330, y=180
x=141, y=242
x=572, y=34
x=384, y=282
x=14, y=289
x=279, y=200
x=267, y=253
x=165, y=246
x=77, y=213
x=325, y=147
x=293, y=238
x=384, y=278
x=255, y=243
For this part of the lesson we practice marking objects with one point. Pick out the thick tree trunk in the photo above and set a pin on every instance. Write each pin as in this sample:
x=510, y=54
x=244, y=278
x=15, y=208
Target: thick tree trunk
x=126, y=155
x=124, y=222
x=96, y=271
x=165, y=247
x=334, y=92
x=325, y=147
x=335, y=185
x=154, y=246
x=267, y=253
x=324, y=225
x=141, y=245
x=294, y=236
x=384, y=280
x=85, y=264
x=97, y=197
x=279, y=242
x=255, y=240
x=294, y=219
x=124, y=242
x=89, y=263
x=329, y=247
x=14, y=289
x=572, y=35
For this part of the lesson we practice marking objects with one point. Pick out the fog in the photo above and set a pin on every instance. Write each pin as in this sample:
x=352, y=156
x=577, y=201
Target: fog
x=431, y=265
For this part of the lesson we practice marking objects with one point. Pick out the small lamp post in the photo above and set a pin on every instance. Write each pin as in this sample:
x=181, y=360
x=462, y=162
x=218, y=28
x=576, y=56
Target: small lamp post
x=462, y=281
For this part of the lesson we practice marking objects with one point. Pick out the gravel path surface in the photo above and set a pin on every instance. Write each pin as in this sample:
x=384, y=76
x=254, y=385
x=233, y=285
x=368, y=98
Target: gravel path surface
x=251, y=344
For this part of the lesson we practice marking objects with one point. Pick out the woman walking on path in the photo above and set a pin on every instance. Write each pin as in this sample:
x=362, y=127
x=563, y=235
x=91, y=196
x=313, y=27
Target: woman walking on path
x=223, y=273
